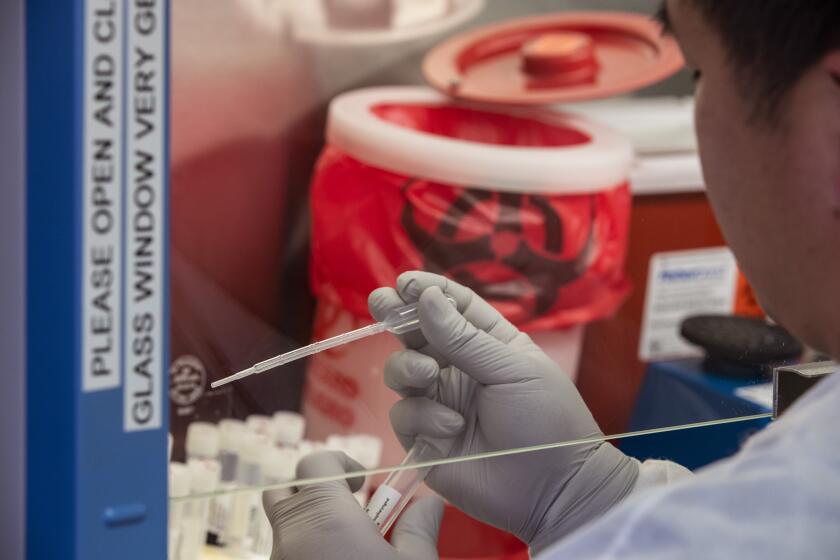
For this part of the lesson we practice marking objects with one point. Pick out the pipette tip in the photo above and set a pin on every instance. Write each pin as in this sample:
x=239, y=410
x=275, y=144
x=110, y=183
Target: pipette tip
x=238, y=375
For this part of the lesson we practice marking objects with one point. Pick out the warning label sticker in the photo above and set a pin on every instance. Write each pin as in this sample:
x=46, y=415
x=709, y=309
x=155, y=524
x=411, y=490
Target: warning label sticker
x=681, y=284
x=102, y=168
x=144, y=320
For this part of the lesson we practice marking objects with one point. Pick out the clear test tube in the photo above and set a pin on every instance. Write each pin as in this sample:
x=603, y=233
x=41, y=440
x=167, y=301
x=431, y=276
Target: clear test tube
x=307, y=446
x=247, y=502
x=202, y=441
x=278, y=466
x=204, y=474
x=396, y=492
x=288, y=428
x=261, y=424
x=179, y=512
x=231, y=434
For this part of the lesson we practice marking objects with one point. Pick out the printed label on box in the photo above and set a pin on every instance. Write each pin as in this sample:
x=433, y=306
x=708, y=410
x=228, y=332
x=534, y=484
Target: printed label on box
x=144, y=325
x=102, y=197
x=681, y=284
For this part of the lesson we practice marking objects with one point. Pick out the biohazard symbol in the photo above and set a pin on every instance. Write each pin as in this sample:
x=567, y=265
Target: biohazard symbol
x=502, y=256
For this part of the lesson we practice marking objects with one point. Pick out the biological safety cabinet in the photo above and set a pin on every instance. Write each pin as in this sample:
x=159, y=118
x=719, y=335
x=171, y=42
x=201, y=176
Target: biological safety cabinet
x=84, y=260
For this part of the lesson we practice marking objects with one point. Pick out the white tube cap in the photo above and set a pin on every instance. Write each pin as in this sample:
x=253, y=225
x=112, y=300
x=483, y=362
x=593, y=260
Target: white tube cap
x=366, y=449
x=253, y=447
x=205, y=475
x=231, y=432
x=278, y=465
x=362, y=448
x=261, y=424
x=308, y=446
x=288, y=427
x=179, y=480
x=202, y=440
x=336, y=442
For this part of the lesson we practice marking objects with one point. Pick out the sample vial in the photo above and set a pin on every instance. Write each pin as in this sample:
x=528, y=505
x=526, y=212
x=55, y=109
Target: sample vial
x=261, y=424
x=288, y=428
x=278, y=466
x=202, y=441
x=246, y=510
x=231, y=433
x=204, y=476
x=179, y=512
x=396, y=492
x=308, y=446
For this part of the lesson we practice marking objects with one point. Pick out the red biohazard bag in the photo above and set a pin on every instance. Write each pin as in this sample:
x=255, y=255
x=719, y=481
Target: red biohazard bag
x=529, y=208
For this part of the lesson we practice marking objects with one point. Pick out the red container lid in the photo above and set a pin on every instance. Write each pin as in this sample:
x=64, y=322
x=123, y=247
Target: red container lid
x=571, y=56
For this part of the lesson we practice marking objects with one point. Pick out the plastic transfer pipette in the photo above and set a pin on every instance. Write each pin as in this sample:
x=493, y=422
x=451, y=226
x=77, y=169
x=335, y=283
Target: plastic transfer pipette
x=399, y=321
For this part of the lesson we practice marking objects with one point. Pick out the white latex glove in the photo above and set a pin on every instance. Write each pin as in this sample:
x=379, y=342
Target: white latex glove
x=471, y=376
x=325, y=521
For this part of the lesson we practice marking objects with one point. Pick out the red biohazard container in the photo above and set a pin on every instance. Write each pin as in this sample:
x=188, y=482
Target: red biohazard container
x=479, y=181
x=527, y=206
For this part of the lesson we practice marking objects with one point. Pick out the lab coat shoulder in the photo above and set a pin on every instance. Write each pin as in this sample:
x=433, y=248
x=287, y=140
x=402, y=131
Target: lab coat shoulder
x=779, y=497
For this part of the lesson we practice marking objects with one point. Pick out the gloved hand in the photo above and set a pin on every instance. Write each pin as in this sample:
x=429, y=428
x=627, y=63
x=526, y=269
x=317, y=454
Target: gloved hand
x=325, y=521
x=471, y=376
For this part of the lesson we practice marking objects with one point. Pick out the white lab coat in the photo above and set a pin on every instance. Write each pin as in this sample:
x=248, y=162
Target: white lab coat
x=779, y=497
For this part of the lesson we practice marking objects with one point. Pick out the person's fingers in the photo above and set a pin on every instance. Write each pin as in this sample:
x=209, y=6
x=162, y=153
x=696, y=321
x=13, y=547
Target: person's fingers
x=418, y=416
x=411, y=285
x=330, y=463
x=278, y=503
x=416, y=533
x=411, y=373
x=272, y=498
x=382, y=301
x=478, y=354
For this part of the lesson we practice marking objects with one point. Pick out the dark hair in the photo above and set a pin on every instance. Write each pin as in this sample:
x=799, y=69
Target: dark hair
x=772, y=43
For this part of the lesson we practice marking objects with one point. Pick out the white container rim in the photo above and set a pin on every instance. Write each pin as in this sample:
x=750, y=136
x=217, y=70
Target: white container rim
x=598, y=165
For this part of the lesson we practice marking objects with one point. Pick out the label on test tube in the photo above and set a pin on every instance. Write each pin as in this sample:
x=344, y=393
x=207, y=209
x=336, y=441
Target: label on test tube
x=220, y=508
x=382, y=504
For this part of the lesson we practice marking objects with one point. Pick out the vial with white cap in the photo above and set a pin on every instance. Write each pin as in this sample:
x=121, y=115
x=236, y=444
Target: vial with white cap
x=231, y=433
x=246, y=511
x=179, y=512
x=308, y=446
x=202, y=441
x=288, y=428
x=261, y=424
x=337, y=442
x=278, y=466
x=204, y=479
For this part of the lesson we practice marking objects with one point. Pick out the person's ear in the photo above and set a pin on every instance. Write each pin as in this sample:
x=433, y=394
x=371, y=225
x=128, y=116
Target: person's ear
x=831, y=63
